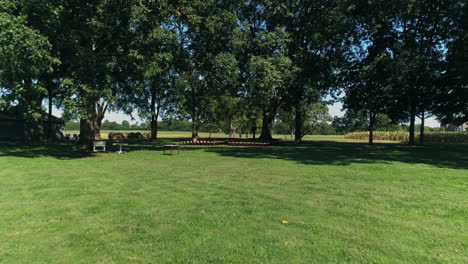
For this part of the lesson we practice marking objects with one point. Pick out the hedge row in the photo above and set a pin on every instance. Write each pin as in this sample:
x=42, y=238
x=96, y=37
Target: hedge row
x=441, y=137
x=125, y=136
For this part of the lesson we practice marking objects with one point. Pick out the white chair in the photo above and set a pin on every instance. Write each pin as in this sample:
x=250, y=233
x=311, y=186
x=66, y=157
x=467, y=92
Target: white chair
x=99, y=144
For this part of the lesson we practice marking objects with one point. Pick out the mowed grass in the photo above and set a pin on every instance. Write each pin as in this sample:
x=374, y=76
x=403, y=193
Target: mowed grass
x=344, y=203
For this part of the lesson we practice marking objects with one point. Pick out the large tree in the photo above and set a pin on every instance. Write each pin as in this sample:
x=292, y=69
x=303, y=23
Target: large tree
x=205, y=63
x=452, y=93
x=25, y=57
x=266, y=70
x=422, y=30
x=149, y=63
x=97, y=39
x=317, y=30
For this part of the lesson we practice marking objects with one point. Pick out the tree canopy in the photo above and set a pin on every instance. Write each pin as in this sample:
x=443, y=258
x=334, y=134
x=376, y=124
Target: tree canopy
x=237, y=65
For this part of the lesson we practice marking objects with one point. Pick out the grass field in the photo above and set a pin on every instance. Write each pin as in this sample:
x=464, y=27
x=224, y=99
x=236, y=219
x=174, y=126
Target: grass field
x=344, y=203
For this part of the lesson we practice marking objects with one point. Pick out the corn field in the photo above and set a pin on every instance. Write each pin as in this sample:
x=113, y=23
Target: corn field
x=436, y=137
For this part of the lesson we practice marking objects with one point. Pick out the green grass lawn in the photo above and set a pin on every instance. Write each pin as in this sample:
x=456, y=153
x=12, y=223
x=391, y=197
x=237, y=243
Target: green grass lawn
x=345, y=203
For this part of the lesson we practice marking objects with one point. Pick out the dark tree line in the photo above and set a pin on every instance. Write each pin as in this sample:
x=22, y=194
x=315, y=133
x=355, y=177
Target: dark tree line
x=234, y=64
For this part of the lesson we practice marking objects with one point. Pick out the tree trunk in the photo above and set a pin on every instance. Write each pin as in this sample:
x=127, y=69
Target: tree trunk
x=39, y=129
x=254, y=131
x=154, y=115
x=90, y=126
x=50, y=130
x=98, y=117
x=39, y=132
x=231, y=130
x=87, y=133
x=195, y=127
x=154, y=123
x=97, y=127
x=412, y=125
x=267, y=124
x=371, y=128
x=421, y=131
x=298, y=125
x=154, y=127
x=35, y=105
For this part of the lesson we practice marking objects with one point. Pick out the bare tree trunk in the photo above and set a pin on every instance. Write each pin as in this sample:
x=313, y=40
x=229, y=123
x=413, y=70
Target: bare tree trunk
x=421, y=131
x=97, y=127
x=254, y=131
x=87, y=133
x=195, y=128
x=267, y=124
x=154, y=116
x=298, y=125
x=154, y=122
x=90, y=126
x=50, y=129
x=412, y=125
x=101, y=109
x=231, y=130
x=372, y=117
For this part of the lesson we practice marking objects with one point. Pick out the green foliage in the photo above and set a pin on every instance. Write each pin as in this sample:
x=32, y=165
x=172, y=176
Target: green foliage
x=358, y=121
x=192, y=60
x=72, y=126
x=24, y=57
x=452, y=103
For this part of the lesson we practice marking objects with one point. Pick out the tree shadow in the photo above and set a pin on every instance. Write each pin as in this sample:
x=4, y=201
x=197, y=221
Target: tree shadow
x=26, y=149
x=310, y=153
x=69, y=149
x=345, y=153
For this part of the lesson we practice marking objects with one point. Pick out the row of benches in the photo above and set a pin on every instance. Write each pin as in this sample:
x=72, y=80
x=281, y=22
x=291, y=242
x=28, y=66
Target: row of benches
x=72, y=136
x=232, y=142
x=209, y=142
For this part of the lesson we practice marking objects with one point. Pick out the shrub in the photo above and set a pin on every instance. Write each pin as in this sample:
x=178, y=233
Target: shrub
x=125, y=136
x=439, y=137
x=118, y=136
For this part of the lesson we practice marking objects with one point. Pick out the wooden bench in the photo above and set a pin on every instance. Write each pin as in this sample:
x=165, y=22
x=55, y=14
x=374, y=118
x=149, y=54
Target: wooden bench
x=99, y=144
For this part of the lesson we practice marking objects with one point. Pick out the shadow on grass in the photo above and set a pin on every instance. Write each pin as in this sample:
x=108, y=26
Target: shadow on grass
x=345, y=153
x=66, y=150
x=310, y=153
x=25, y=149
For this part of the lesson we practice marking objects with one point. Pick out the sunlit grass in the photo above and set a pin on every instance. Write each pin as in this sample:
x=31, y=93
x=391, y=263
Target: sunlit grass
x=321, y=202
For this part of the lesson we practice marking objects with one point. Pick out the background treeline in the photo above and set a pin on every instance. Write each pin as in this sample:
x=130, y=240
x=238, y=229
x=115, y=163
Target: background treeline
x=237, y=65
x=168, y=125
x=339, y=126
